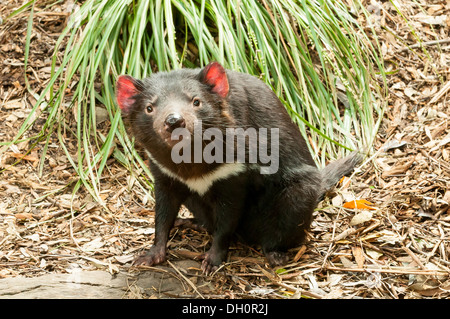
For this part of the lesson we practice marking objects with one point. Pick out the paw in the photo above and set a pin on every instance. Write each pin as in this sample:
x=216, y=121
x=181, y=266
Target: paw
x=211, y=263
x=277, y=258
x=150, y=257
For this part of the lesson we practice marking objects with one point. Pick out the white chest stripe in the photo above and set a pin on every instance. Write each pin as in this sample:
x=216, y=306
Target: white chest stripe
x=202, y=184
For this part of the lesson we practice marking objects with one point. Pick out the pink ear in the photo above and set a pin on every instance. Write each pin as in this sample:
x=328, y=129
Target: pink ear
x=215, y=75
x=126, y=89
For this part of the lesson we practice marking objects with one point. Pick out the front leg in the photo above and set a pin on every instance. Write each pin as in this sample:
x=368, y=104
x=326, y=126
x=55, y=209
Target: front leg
x=166, y=210
x=219, y=249
x=227, y=211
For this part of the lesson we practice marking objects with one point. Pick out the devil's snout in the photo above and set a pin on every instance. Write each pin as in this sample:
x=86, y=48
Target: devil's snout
x=174, y=121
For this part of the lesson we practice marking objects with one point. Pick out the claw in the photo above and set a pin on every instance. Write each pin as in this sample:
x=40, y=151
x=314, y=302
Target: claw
x=150, y=257
x=210, y=263
x=208, y=268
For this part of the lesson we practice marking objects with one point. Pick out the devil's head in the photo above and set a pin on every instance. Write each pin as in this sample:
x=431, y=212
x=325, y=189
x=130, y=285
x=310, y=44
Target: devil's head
x=166, y=101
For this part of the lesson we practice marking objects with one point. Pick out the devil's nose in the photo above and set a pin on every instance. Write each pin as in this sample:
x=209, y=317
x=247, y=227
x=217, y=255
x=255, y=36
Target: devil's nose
x=174, y=121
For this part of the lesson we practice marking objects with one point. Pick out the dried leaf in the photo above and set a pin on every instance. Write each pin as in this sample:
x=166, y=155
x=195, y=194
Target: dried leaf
x=23, y=216
x=346, y=262
x=359, y=256
x=398, y=169
x=345, y=182
x=411, y=93
x=337, y=200
x=124, y=258
x=345, y=234
x=14, y=104
x=261, y=291
x=300, y=253
x=94, y=245
x=360, y=218
x=23, y=156
x=446, y=197
x=34, y=237
x=388, y=236
x=373, y=254
x=394, y=143
x=439, y=20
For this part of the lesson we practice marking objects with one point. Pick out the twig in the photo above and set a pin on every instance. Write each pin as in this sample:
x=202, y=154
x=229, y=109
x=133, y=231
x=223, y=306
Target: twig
x=414, y=257
x=403, y=271
x=248, y=274
x=186, y=279
x=48, y=13
x=15, y=263
x=298, y=291
x=195, y=256
x=441, y=93
x=334, y=239
x=423, y=44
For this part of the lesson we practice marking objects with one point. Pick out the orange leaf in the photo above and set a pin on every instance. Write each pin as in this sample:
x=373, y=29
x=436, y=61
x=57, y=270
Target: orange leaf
x=360, y=204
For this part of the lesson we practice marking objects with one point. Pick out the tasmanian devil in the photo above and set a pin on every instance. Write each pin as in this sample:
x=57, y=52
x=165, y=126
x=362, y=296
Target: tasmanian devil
x=208, y=133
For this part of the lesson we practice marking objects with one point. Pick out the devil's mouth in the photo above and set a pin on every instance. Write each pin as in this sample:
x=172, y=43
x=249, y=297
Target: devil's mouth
x=171, y=140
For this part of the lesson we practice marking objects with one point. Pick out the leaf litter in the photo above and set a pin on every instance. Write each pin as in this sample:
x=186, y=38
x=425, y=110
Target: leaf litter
x=392, y=242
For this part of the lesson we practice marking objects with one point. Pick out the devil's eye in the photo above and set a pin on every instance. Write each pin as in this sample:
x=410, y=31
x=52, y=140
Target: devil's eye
x=149, y=109
x=196, y=101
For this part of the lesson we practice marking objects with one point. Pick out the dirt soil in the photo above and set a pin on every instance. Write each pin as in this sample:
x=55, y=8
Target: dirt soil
x=393, y=244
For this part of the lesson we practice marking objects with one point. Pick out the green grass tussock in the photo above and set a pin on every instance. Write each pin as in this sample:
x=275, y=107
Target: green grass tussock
x=312, y=53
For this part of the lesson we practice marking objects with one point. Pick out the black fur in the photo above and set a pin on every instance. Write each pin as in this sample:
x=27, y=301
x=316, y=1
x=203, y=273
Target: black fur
x=272, y=210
